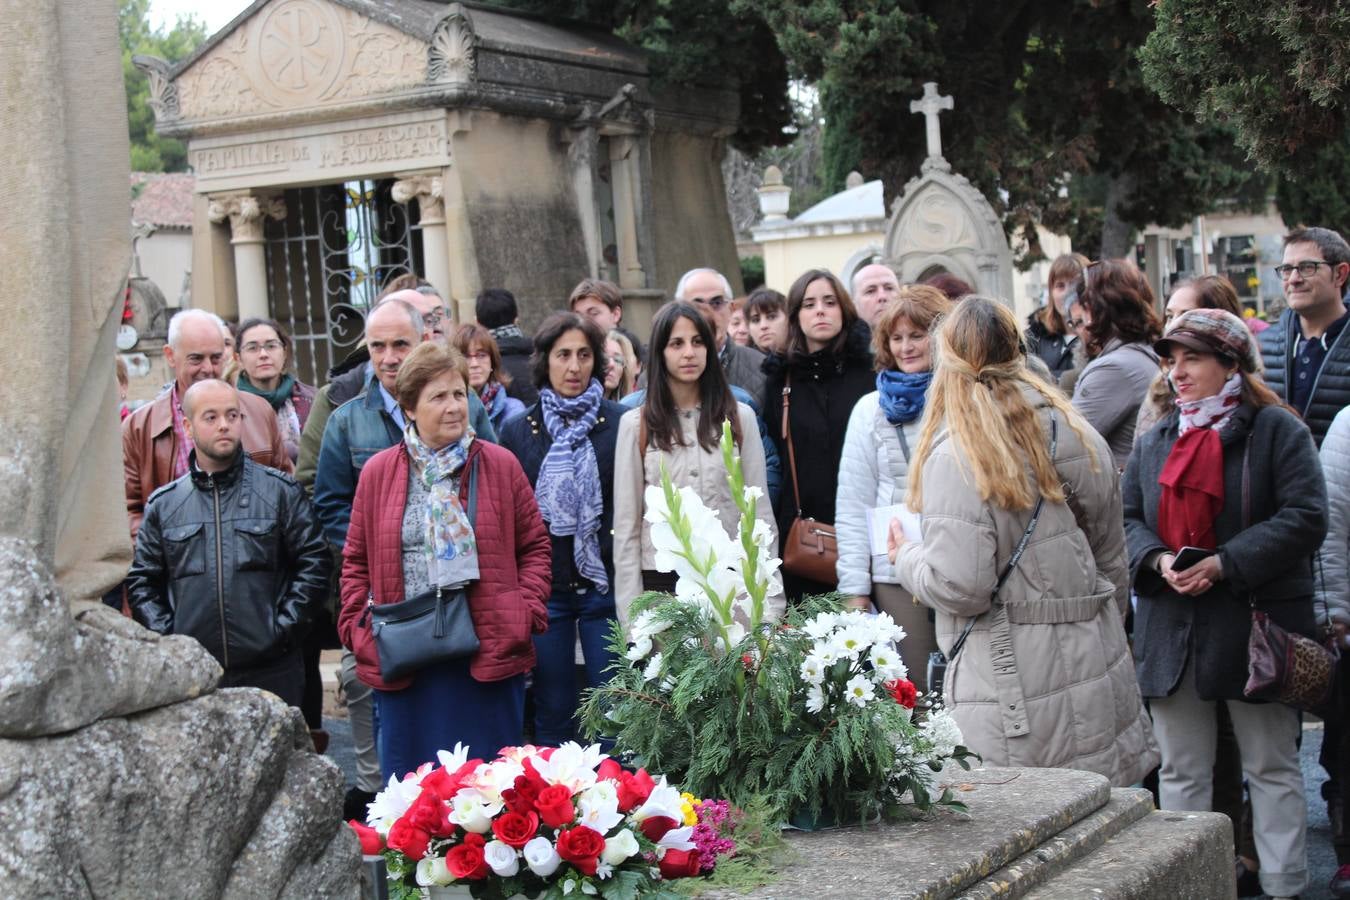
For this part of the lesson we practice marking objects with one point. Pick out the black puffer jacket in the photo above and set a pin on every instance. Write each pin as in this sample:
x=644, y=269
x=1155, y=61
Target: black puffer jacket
x=516, y=350
x=235, y=560
x=1052, y=349
x=1331, y=390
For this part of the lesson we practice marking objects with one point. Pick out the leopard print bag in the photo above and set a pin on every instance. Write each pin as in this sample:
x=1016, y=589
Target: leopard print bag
x=1287, y=668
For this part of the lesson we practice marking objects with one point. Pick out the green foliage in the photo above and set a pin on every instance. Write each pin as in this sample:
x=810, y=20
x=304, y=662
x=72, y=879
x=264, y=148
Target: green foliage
x=1320, y=195
x=752, y=272
x=1277, y=73
x=699, y=42
x=149, y=151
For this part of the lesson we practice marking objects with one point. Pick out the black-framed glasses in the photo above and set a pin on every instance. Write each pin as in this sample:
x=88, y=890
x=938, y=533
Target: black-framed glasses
x=714, y=302
x=433, y=318
x=1305, y=269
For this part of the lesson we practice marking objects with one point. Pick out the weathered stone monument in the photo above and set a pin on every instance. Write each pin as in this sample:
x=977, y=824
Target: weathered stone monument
x=122, y=774
x=942, y=223
x=337, y=143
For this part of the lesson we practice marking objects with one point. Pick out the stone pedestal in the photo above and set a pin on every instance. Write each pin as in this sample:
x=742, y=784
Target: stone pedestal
x=1044, y=833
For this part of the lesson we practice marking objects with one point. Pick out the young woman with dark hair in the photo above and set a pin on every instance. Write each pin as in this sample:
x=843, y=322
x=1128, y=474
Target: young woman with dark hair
x=825, y=371
x=1048, y=336
x=678, y=426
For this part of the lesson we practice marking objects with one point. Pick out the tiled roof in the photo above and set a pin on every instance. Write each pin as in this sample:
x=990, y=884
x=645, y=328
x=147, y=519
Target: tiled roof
x=162, y=199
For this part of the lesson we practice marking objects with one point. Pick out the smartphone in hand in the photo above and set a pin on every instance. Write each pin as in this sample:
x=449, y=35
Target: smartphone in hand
x=1189, y=556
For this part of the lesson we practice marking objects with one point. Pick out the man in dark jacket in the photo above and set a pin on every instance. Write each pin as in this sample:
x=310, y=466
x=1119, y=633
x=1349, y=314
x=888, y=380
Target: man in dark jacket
x=496, y=311
x=1307, y=353
x=231, y=554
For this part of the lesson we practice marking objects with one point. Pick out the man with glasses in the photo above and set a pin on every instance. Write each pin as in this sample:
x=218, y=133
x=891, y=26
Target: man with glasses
x=709, y=290
x=1307, y=353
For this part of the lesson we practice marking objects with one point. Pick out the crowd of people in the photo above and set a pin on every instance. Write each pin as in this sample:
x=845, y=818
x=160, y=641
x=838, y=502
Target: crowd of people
x=1057, y=469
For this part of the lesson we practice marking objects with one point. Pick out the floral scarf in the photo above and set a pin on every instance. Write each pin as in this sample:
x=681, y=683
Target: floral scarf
x=901, y=394
x=568, y=487
x=493, y=397
x=1212, y=412
x=451, y=548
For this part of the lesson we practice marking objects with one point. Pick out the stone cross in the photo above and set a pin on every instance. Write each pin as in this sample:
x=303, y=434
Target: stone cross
x=930, y=105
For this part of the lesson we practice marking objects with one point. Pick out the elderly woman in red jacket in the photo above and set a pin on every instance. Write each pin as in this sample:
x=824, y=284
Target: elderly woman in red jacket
x=411, y=532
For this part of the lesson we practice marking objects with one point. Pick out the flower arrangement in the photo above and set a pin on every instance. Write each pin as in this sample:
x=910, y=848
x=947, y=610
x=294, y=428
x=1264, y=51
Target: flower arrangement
x=543, y=822
x=813, y=714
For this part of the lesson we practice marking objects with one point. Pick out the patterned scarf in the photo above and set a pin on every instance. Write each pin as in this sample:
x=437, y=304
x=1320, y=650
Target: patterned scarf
x=493, y=398
x=568, y=488
x=901, y=394
x=181, y=437
x=451, y=548
x=506, y=331
x=1212, y=412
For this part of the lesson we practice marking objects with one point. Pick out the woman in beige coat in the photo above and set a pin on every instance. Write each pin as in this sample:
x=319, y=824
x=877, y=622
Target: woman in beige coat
x=680, y=422
x=1044, y=677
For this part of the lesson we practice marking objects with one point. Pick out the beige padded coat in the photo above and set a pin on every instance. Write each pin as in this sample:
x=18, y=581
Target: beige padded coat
x=1046, y=678
x=689, y=466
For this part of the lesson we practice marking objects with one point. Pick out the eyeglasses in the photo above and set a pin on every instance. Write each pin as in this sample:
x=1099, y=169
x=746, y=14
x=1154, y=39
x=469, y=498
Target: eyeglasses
x=433, y=318
x=617, y=361
x=1305, y=269
x=1075, y=324
x=714, y=302
x=255, y=347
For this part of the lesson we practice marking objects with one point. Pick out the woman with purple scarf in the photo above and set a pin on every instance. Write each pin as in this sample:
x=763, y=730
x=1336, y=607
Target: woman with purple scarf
x=565, y=443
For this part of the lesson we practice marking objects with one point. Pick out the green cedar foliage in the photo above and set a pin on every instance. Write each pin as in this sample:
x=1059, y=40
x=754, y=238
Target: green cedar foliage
x=149, y=151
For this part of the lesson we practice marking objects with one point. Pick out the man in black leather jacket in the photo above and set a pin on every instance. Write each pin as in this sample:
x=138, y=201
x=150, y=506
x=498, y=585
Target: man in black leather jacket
x=231, y=554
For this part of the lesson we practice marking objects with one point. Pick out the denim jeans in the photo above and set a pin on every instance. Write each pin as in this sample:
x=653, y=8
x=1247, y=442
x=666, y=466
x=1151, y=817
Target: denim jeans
x=556, y=690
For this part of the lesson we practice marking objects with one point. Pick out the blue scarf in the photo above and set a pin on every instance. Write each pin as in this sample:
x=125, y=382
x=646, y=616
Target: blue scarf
x=568, y=487
x=901, y=394
x=451, y=549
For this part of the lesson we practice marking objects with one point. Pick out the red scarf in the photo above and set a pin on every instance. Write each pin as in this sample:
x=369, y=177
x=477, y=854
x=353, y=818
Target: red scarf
x=1192, y=495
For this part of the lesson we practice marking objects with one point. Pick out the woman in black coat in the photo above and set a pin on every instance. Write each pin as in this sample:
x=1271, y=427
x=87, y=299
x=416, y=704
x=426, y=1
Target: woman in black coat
x=1231, y=470
x=828, y=368
x=574, y=484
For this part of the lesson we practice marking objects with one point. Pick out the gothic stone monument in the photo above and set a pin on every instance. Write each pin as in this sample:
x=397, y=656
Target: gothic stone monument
x=941, y=223
x=123, y=773
x=339, y=142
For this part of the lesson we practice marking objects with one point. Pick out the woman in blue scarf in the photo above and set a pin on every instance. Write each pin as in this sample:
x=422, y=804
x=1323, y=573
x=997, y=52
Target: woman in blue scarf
x=873, y=471
x=565, y=444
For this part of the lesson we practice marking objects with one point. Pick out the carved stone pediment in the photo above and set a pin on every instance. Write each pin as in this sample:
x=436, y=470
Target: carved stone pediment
x=293, y=54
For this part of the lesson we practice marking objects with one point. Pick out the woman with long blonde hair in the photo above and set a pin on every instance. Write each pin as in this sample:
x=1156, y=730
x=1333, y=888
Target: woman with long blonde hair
x=1023, y=558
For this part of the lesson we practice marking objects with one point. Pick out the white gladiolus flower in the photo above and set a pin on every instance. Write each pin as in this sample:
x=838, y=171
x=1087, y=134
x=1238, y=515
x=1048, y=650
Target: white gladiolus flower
x=859, y=690
x=541, y=857
x=501, y=858
x=648, y=624
x=431, y=870
x=642, y=645
x=653, y=668
x=676, y=839
x=619, y=848
x=452, y=760
x=735, y=633
x=815, y=699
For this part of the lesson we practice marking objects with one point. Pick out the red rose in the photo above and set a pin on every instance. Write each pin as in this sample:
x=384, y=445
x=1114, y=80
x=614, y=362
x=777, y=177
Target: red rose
x=466, y=861
x=429, y=814
x=442, y=784
x=904, y=692
x=408, y=839
x=516, y=829
x=681, y=864
x=656, y=827
x=634, y=789
x=371, y=842
x=581, y=847
x=473, y=839
x=555, y=806
x=523, y=796
x=609, y=771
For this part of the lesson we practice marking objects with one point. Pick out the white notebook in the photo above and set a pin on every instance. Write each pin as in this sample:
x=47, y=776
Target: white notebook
x=879, y=525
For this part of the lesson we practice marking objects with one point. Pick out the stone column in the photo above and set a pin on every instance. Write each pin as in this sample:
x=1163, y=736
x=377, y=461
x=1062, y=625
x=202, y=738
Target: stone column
x=623, y=171
x=247, y=213
x=427, y=189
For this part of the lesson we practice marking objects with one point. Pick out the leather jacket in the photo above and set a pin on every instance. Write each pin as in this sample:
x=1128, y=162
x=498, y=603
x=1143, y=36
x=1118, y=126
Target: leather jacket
x=235, y=560
x=149, y=439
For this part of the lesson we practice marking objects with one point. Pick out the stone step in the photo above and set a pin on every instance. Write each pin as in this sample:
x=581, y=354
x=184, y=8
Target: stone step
x=1057, y=853
x=1163, y=856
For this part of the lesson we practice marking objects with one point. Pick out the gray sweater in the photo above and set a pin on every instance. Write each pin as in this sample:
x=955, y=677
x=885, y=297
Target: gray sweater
x=1109, y=390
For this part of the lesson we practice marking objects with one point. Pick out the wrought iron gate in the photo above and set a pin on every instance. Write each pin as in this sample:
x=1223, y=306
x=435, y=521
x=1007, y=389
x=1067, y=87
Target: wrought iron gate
x=327, y=261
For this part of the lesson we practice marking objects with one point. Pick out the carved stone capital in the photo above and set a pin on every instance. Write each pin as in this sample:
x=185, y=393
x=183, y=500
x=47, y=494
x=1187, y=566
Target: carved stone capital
x=163, y=92
x=451, y=56
x=246, y=214
x=427, y=190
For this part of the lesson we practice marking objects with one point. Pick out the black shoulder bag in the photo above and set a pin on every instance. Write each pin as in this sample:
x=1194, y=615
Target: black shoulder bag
x=937, y=662
x=435, y=626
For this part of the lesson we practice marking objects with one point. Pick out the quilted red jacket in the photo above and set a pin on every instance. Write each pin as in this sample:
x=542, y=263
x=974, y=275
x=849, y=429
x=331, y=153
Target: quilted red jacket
x=508, y=602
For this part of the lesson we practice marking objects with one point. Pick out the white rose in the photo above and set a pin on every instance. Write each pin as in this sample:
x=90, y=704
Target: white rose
x=541, y=857
x=501, y=858
x=619, y=848
x=431, y=870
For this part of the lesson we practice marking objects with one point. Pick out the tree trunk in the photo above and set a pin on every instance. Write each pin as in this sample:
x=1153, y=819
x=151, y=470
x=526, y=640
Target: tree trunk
x=1117, y=234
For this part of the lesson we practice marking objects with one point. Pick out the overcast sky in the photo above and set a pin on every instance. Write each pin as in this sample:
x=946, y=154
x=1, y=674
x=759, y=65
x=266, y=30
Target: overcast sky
x=215, y=13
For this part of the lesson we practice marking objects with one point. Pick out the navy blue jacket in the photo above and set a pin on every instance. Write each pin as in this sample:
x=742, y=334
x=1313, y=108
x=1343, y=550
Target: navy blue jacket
x=528, y=438
x=1331, y=388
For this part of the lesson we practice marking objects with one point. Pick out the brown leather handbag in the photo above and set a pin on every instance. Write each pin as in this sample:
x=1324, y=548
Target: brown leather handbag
x=810, y=549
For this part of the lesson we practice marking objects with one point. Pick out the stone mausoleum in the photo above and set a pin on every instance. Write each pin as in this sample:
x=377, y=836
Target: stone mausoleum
x=338, y=143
